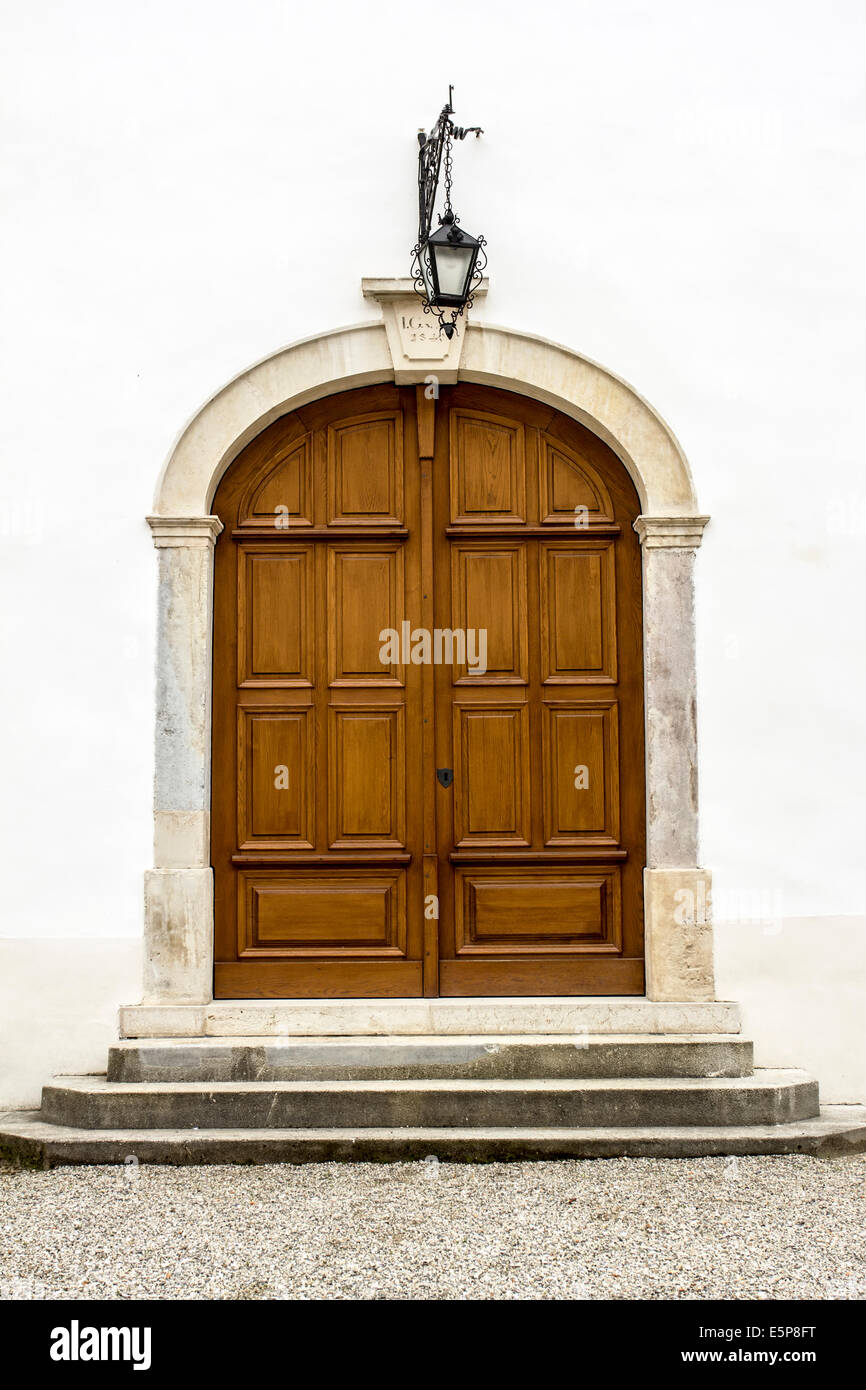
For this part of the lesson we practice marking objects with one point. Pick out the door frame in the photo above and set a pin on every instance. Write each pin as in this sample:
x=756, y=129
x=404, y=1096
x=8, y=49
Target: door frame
x=178, y=935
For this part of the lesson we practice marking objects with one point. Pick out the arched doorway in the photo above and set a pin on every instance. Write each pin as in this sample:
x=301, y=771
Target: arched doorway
x=178, y=985
x=428, y=730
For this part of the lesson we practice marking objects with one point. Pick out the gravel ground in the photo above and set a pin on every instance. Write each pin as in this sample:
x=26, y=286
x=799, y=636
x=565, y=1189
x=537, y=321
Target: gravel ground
x=616, y=1228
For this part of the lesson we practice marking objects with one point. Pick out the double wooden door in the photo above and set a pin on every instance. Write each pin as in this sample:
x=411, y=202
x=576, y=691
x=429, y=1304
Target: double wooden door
x=428, y=761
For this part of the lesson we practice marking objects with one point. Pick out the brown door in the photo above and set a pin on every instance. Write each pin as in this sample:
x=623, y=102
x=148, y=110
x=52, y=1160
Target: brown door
x=540, y=837
x=428, y=728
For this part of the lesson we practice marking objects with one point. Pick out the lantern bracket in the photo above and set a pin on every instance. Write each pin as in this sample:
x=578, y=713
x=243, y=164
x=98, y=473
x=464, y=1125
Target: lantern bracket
x=431, y=147
x=434, y=151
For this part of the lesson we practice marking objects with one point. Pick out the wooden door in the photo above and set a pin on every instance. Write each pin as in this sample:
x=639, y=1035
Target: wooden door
x=316, y=746
x=541, y=833
x=392, y=822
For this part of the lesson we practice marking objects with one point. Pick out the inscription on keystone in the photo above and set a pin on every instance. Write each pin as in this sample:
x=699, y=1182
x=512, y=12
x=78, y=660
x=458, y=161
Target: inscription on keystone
x=420, y=337
x=417, y=348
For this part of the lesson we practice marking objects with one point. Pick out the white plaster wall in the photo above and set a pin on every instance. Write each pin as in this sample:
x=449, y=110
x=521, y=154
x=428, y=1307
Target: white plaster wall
x=675, y=190
x=800, y=1014
x=58, y=1009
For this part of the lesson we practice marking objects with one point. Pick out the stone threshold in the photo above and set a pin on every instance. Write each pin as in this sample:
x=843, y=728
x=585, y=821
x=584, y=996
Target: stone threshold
x=310, y=1018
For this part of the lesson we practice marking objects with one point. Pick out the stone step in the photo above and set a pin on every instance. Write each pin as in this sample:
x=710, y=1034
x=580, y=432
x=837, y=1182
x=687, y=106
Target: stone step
x=26, y=1138
x=407, y=1058
x=767, y=1097
x=305, y=1018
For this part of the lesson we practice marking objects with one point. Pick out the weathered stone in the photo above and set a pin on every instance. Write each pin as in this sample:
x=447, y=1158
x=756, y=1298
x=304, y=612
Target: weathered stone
x=178, y=960
x=768, y=1097
x=254, y=1018
x=670, y=695
x=838, y=1130
x=178, y=934
x=679, y=934
x=396, y=1058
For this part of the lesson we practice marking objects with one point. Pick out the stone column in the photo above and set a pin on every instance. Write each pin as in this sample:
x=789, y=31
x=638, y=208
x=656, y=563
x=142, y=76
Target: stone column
x=178, y=932
x=677, y=897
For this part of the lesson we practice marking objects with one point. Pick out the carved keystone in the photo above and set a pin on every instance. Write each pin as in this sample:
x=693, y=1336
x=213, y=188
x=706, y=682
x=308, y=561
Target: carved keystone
x=417, y=347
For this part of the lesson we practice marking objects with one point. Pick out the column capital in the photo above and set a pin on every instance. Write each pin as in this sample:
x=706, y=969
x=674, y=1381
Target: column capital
x=179, y=531
x=670, y=532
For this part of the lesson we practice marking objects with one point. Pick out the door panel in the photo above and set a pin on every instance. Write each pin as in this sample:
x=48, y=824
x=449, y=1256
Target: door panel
x=272, y=581
x=276, y=772
x=580, y=754
x=505, y=529
x=491, y=774
x=281, y=485
x=487, y=468
x=317, y=766
x=570, y=487
x=366, y=792
x=539, y=911
x=489, y=595
x=361, y=911
x=366, y=594
x=365, y=470
x=540, y=837
x=578, y=613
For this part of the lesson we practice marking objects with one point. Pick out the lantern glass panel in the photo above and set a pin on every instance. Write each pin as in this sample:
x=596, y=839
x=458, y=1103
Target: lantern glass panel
x=453, y=264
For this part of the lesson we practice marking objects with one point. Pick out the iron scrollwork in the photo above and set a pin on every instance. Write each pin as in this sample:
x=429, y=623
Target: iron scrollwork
x=434, y=150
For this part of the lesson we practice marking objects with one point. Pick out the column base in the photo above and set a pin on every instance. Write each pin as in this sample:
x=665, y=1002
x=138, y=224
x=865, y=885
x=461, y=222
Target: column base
x=679, y=934
x=178, y=933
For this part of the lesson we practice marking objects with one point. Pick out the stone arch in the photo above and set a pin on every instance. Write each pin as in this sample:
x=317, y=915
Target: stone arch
x=360, y=356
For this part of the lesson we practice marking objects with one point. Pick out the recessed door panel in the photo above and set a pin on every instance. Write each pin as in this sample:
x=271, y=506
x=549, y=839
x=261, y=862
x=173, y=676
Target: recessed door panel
x=491, y=774
x=367, y=784
x=571, y=488
x=578, y=613
x=276, y=757
x=365, y=470
x=490, y=614
x=275, y=617
x=365, y=602
x=487, y=468
x=539, y=911
x=280, y=491
x=351, y=911
x=581, y=772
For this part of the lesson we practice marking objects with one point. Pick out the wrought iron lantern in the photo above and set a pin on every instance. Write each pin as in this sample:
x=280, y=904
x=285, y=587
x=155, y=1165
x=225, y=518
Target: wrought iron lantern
x=447, y=264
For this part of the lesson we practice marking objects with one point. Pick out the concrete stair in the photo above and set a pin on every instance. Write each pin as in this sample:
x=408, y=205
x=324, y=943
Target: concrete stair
x=472, y=1097
x=470, y=1057
x=90, y=1103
